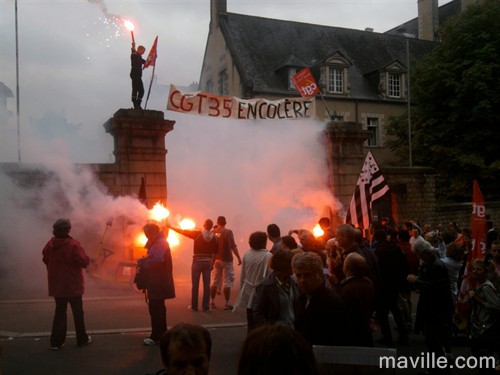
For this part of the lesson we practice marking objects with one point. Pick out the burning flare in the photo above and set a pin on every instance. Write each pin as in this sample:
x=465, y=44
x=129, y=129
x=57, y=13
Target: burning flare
x=317, y=231
x=159, y=212
x=128, y=25
x=187, y=224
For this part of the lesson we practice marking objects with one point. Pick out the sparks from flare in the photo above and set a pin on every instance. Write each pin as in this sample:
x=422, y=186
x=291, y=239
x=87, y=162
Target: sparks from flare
x=114, y=27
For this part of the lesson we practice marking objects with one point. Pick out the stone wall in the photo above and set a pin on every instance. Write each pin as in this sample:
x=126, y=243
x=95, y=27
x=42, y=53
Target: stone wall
x=413, y=192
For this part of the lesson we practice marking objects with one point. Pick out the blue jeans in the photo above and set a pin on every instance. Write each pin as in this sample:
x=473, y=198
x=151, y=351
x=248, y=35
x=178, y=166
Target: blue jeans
x=200, y=268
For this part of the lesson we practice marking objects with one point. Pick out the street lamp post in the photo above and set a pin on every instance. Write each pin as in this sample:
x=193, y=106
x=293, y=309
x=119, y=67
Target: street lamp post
x=17, y=89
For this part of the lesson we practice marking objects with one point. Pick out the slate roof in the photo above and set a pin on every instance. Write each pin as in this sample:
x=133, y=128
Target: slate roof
x=445, y=11
x=261, y=46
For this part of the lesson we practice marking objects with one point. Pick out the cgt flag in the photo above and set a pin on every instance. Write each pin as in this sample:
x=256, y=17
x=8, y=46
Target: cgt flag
x=370, y=187
x=478, y=234
x=151, y=60
x=305, y=83
x=478, y=224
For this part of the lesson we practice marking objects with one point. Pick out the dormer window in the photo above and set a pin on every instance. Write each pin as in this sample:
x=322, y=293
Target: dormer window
x=392, y=81
x=394, y=85
x=335, y=80
x=336, y=74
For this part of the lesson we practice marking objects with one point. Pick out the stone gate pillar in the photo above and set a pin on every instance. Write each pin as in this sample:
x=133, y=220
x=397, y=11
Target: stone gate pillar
x=345, y=155
x=139, y=149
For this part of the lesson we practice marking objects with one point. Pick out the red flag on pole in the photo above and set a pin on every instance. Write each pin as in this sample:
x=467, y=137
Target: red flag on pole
x=478, y=233
x=151, y=60
x=305, y=83
x=478, y=226
x=370, y=187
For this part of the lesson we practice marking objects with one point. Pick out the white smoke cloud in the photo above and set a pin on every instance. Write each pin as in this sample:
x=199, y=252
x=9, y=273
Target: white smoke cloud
x=253, y=172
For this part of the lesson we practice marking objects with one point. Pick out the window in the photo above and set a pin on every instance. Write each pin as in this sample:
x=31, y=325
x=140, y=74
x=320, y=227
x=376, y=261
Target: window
x=223, y=82
x=394, y=85
x=336, y=80
x=291, y=73
x=372, y=127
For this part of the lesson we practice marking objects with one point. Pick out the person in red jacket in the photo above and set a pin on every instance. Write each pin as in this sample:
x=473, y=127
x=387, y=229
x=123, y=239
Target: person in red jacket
x=65, y=258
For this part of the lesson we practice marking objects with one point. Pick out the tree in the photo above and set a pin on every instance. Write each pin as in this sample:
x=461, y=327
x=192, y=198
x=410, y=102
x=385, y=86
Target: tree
x=456, y=106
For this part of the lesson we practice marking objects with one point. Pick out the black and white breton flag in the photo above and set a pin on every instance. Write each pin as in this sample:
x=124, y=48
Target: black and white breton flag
x=370, y=187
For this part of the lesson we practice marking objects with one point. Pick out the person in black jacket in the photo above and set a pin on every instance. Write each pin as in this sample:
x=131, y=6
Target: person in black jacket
x=319, y=314
x=276, y=294
x=160, y=282
x=435, y=303
x=394, y=269
x=136, y=75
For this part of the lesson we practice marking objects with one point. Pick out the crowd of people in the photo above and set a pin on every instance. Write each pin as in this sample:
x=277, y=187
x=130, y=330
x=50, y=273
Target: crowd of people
x=336, y=289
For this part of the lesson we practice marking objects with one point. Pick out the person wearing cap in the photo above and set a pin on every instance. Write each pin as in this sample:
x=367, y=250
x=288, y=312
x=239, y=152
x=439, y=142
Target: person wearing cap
x=137, y=63
x=65, y=259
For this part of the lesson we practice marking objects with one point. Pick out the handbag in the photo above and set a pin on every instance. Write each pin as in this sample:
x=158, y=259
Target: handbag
x=141, y=278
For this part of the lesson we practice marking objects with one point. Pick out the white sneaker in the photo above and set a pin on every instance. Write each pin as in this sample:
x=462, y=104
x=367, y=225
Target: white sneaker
x=56, y=347
x=150, y=342
x=89, y=340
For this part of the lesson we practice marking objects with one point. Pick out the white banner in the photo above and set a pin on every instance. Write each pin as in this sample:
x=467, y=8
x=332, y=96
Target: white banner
x=205, y=104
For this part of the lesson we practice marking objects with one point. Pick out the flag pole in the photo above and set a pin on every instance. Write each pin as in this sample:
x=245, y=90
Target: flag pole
x=150, y=84
x=17, y=91
x=326, y=107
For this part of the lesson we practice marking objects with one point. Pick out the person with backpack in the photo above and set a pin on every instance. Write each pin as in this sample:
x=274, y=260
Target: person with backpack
x=157, y=264
x=204, y=249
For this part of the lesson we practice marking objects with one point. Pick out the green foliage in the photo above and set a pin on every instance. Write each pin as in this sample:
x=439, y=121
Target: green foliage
x=456, y=106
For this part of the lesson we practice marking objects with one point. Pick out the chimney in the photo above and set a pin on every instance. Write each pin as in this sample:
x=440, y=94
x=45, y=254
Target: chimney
x=428, y=19
x=216, y=8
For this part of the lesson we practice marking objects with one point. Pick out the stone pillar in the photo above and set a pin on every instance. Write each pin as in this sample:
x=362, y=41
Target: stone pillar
x=345, y=156
x=139, y=149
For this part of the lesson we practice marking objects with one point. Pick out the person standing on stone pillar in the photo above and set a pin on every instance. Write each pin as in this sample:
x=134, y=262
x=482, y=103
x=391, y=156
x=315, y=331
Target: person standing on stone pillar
x=136, y=75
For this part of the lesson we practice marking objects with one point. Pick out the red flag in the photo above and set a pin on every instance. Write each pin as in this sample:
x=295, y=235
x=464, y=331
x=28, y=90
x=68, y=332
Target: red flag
x=370, y=187
x=478, y=226
x=305, y=83
x=478, y=233
x=142, y=193
x=151, y=60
